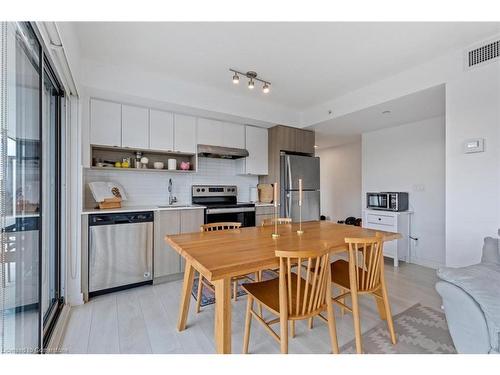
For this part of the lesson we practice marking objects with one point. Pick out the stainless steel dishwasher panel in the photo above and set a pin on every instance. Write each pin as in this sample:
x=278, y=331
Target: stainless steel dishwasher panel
x=120, y=254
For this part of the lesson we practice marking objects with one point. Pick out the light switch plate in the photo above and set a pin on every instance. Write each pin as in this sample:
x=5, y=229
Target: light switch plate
x=474, y=145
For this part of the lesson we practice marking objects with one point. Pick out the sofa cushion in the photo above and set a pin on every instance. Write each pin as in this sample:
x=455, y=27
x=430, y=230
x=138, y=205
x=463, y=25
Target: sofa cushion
x=491, y=251
x=482, y=283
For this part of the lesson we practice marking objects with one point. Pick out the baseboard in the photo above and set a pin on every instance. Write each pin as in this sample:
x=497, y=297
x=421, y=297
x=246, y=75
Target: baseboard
x=55, y=342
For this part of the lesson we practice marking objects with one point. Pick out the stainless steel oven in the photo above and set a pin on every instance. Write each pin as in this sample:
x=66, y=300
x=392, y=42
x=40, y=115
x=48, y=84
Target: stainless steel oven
x=387, y=201
x=243, y=215
x=222, y=204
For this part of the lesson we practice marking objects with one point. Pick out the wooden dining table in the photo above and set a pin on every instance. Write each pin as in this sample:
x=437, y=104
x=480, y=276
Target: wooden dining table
x=221, y=255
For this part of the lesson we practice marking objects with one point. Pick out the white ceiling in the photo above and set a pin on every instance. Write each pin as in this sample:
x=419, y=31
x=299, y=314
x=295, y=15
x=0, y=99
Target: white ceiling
x=410, y=108
x=307, y=63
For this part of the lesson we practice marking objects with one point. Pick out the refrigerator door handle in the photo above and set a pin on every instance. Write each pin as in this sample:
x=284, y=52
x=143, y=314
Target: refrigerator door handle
x=289, y=172
x=288, y=210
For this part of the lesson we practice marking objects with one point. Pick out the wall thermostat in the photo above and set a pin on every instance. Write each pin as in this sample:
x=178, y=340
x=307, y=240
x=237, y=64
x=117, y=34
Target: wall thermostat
x=474, y=145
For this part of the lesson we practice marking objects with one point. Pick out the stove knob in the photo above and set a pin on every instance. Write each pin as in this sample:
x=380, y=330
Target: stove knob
x=203, y=190
x=198, y=190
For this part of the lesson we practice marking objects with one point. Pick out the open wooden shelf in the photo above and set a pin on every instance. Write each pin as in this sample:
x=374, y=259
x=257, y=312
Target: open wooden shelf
x=140, y=170
x=118, y=154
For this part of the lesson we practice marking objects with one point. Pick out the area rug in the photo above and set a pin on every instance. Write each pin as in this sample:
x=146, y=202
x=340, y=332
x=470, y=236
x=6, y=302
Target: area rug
x=419, y=330
x=208, y=297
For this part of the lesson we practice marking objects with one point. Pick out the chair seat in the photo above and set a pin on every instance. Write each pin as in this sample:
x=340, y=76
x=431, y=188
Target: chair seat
x=340, y=273
x=267, y=292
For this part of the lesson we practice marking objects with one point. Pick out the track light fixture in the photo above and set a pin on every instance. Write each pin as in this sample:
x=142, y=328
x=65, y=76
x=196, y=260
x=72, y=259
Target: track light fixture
x=252, y=77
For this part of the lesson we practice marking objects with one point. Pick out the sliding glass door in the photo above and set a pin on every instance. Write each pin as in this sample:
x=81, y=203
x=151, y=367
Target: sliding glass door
x=50, y=281
x=29, y=192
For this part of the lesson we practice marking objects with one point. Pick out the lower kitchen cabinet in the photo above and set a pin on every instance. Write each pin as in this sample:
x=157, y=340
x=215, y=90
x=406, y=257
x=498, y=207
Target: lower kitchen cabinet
x=191, y=221
x=166, y=260
x=262, y=213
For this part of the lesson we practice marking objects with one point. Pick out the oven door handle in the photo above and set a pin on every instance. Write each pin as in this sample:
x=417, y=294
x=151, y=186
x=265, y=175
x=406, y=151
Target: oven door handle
x=229, y=210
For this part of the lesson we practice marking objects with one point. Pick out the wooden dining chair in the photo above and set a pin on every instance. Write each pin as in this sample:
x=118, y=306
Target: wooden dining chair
x=280, y=220
x=363, y=274
x=202, y=282
x=293, y=297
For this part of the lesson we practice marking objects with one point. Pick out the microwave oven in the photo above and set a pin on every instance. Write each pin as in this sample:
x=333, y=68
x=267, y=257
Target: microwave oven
x=387, y=201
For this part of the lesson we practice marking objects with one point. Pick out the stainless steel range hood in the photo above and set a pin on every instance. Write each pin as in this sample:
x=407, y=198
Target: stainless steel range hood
x=219, y=152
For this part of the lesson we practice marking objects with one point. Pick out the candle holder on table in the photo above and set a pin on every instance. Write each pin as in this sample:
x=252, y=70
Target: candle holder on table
x=300, y=231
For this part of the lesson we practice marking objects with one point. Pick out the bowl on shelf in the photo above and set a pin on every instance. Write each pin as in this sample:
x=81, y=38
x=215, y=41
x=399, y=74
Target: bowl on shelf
x=185, y=165
x=158, y=165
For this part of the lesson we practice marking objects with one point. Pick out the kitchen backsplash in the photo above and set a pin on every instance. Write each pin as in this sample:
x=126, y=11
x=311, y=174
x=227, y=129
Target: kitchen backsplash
x=150, y=188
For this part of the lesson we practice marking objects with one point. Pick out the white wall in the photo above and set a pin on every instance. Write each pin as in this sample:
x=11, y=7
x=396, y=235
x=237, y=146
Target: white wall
x=411, y=158
x=472, y=110
x=341, y=181
x=472, y=180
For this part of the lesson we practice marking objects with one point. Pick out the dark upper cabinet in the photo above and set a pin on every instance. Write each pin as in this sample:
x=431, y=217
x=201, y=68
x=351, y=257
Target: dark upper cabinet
x=285, y=138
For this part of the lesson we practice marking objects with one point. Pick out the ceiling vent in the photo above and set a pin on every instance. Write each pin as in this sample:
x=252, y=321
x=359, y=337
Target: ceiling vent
x=485, y=53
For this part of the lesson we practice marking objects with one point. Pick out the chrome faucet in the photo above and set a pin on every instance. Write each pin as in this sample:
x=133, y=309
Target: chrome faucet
x=171, y=198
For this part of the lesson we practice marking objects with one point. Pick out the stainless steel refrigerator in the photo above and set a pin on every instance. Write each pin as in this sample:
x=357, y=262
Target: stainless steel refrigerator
x=293, y=167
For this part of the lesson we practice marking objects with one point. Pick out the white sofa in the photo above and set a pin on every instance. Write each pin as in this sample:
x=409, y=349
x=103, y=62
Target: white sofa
x=471, y=301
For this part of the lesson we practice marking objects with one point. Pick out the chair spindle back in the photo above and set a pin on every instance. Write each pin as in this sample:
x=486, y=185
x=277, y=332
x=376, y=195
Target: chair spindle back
x=370, y=266
x=304, y=289
x=279, y=220
x=219, y=226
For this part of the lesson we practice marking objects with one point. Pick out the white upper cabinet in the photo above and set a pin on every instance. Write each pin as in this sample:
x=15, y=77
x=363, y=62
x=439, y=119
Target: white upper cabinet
x=256, y=143
x=218, y=133
x=210, y=132
x=185, y=134
x=161, y=130
x=135, y=127
x=105, y=123
x=233, y=135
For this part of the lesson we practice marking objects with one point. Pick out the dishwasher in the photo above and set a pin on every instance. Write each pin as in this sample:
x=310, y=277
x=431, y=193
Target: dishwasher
x=120, y=251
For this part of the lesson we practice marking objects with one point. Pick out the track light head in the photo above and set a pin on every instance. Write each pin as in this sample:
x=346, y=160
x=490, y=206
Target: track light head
x=251, y=84
x=265, y=88
x=236, y=78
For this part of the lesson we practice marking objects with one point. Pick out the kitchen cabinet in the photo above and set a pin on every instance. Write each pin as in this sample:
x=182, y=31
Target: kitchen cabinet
x=256, y=142
x=288, y=139
x=166, y=260
x=219, y=133
x=167, y=222
x=209, y=132
x=388, y=221
x=191, y=221
x=262, y=213
x=135, y=127
x=233, y=135
x=185, y=134
x=105, y=123
x=304, y=141
x=161, y=130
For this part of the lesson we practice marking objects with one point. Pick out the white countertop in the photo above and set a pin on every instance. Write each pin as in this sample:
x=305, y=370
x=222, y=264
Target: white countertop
x=88, y=211
x=262, y=204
